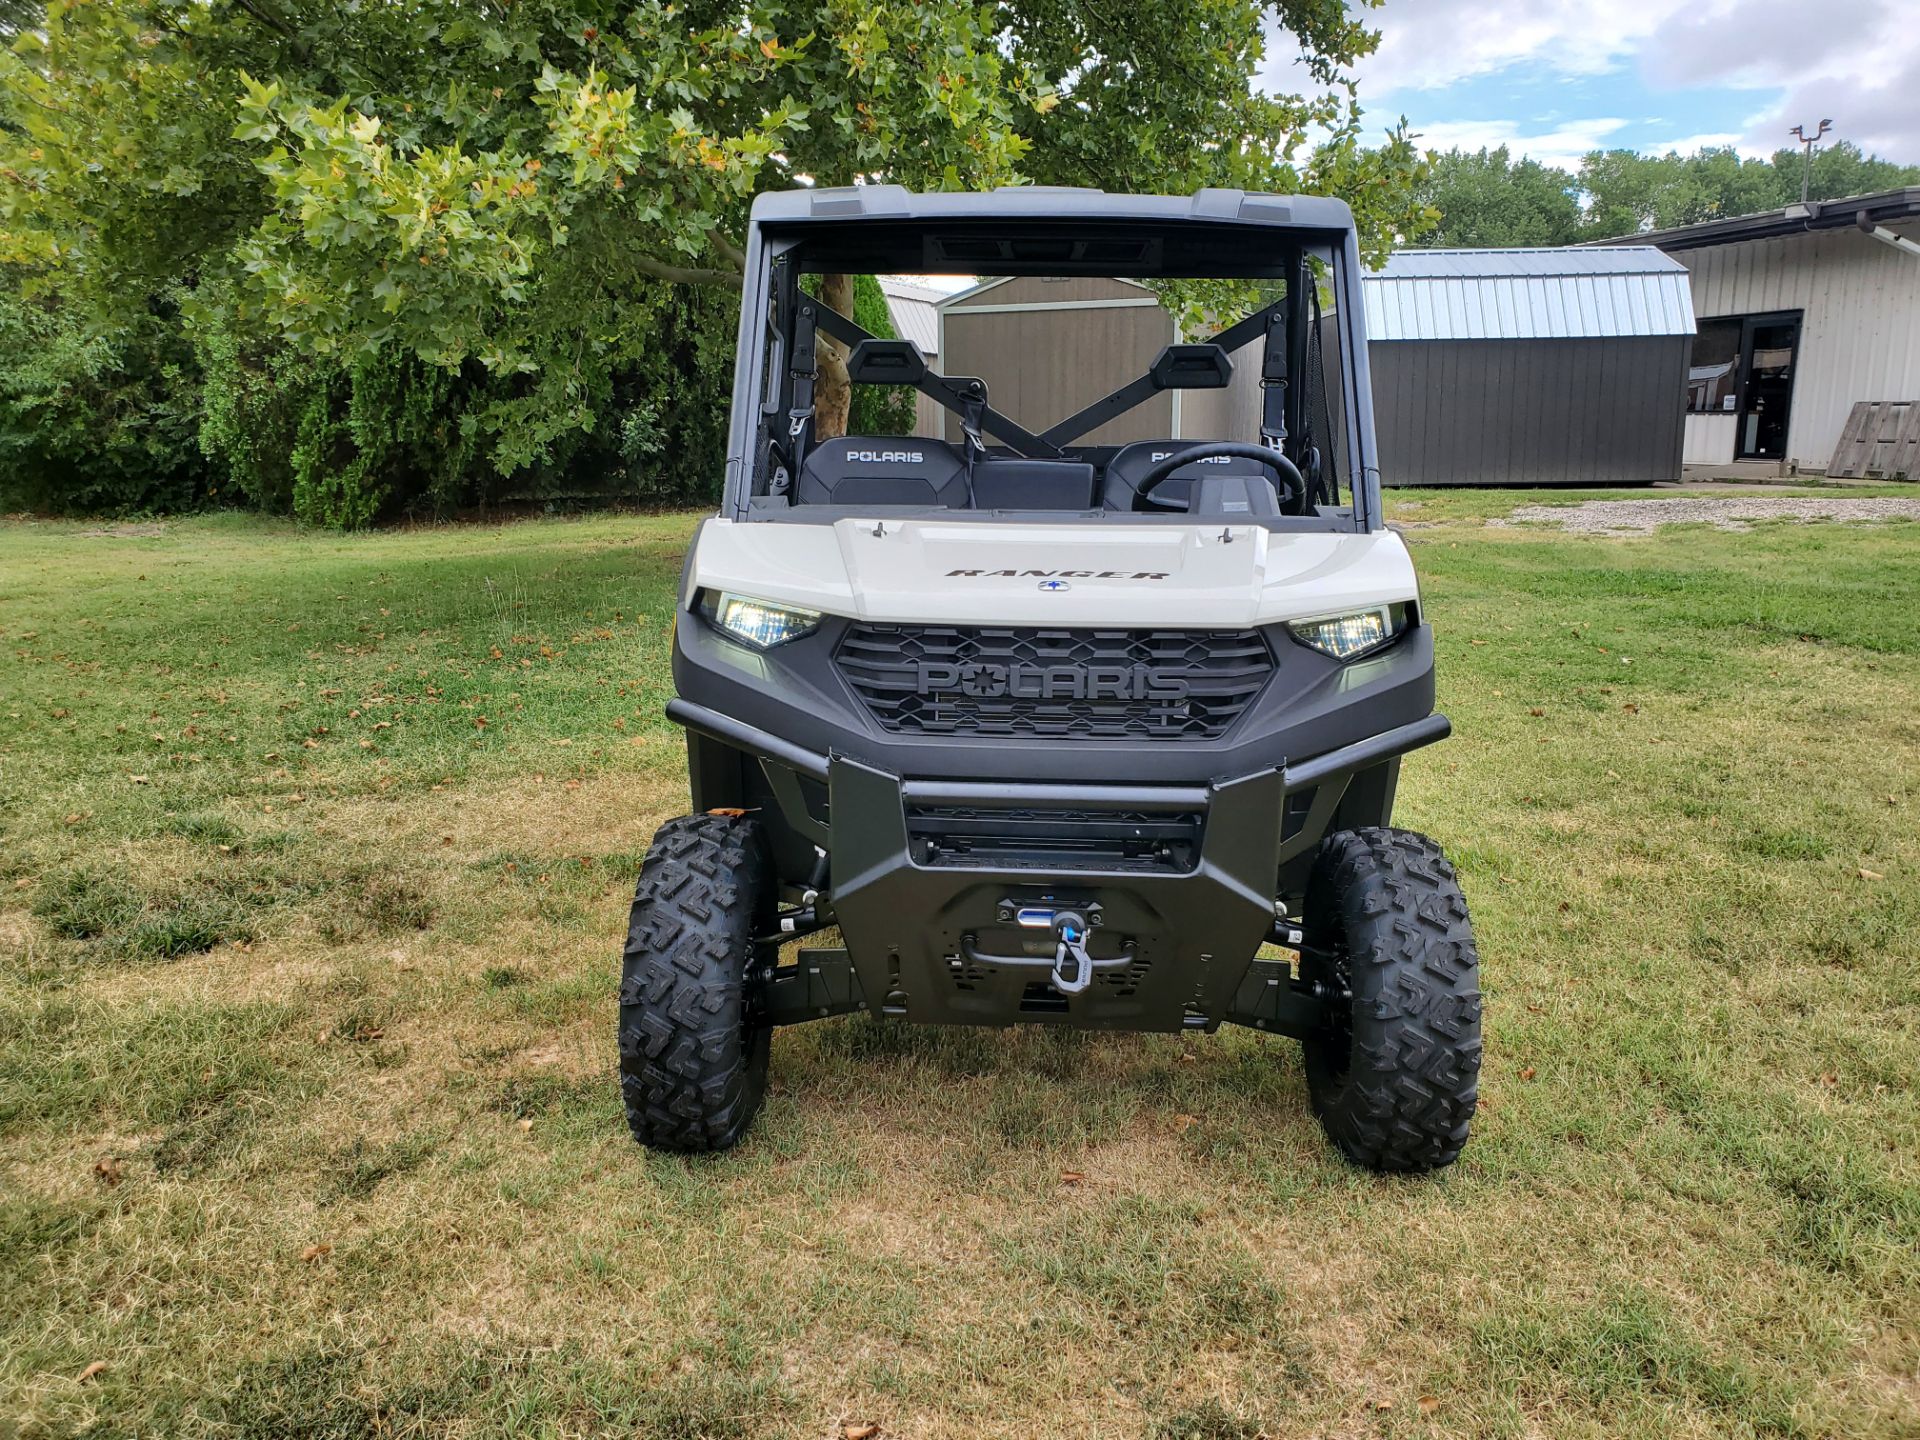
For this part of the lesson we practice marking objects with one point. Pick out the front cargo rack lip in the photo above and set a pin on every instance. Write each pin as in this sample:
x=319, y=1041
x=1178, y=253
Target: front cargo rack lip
x=1358, y=755
x=1220, y=674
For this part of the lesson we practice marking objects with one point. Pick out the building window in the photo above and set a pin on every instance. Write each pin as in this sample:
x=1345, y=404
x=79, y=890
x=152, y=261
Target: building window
x=1713, y=379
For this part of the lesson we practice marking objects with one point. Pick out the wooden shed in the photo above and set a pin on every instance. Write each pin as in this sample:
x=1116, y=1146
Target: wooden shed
x=1047, y=347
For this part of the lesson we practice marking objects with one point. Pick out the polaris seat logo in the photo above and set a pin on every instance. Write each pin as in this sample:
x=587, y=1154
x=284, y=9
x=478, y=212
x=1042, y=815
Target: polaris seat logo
x=1160, y=455
x=1051, y=682
x=887, y=457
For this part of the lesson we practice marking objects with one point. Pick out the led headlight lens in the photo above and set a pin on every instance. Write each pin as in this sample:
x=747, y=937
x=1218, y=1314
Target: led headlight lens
x=759, y=623
x=1347, y=637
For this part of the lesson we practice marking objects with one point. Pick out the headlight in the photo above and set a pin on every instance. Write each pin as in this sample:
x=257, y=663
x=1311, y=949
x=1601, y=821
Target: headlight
x=759, y=623
x=1347, y=637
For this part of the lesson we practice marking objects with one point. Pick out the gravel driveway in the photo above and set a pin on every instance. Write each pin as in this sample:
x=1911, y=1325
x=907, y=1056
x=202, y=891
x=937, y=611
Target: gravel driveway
x=1642, y=517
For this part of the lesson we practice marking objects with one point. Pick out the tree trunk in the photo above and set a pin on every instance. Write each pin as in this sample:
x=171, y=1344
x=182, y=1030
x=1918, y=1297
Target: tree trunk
x=832, y=391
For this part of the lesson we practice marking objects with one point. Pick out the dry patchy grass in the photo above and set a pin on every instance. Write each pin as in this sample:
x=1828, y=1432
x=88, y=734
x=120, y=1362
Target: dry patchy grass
x=308, y=1108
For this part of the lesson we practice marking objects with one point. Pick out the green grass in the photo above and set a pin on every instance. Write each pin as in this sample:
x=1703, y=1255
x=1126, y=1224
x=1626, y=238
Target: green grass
x=296, y=953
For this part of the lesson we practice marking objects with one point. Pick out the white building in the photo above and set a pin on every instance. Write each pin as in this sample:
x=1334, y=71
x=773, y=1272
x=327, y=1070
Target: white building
x=1801, y=313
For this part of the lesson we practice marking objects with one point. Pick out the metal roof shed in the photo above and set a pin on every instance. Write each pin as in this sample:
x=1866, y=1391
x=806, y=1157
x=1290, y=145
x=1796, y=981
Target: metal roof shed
x=1529, y=367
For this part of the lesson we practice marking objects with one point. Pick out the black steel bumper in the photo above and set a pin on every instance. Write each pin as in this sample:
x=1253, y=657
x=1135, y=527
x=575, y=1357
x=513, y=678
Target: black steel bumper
x=936, y=884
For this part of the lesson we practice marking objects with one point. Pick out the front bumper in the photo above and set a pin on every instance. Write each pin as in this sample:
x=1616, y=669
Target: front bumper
x=931, y=879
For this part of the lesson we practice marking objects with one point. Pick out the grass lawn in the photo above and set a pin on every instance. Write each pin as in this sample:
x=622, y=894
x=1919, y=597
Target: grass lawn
x=317, y=853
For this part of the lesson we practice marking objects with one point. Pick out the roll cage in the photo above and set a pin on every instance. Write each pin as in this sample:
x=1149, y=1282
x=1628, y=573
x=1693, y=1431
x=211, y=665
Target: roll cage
x=1306, y=244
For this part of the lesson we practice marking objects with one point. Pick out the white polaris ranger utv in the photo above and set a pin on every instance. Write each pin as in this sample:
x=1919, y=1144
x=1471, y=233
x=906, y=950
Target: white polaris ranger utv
x=1053, y=731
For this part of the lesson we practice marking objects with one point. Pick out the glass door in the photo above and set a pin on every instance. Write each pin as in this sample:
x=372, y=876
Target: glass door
x=1769, y=346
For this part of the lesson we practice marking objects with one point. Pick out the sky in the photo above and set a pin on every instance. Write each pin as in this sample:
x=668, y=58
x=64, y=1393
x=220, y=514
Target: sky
x=1554, y=79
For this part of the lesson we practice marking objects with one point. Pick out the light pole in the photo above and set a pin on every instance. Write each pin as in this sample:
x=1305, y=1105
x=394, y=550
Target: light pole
x=1807, y=142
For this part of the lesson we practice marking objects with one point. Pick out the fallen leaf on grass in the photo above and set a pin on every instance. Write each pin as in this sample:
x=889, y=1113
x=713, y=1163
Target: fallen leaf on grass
x=1072, y=1177
x=1830, y=1078
x=139, y=779
x=1536, y=712
x=525, y=1125
x=1184, y=1123
x=1528, y=1073
x=92, y=1372
x=1866, y=874
x=1383, y=1405
x=107, y=1171
x=314, y=1254
x=1428, y=1404
x=859, y=1432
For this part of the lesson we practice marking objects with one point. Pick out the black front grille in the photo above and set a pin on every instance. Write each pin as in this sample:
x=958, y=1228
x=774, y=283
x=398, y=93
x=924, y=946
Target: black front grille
x=1054, y=684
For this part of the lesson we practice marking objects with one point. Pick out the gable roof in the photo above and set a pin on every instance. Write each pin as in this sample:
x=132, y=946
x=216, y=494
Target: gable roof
x=1533, y=294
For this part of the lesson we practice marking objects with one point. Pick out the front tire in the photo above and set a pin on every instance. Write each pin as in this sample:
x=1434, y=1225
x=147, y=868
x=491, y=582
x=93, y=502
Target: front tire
x=1394, y=1075
x=693, y=1040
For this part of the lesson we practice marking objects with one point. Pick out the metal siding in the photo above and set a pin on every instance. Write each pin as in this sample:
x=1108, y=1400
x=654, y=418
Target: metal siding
x=1530, y=412
x=1860, y=329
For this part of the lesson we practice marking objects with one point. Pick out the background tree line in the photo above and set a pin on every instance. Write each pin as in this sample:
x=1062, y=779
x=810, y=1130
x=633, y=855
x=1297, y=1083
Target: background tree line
x=1489, y=198
x=352, y=262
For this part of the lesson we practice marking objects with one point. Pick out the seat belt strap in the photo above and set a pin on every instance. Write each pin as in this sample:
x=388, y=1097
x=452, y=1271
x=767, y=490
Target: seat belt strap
x=1273, y=382
x=803, y=369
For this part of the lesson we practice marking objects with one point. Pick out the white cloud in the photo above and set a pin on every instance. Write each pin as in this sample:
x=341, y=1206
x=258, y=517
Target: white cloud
x=1431, y=44
x=1709, y=140
x=1855, y=61
x=1562, y=146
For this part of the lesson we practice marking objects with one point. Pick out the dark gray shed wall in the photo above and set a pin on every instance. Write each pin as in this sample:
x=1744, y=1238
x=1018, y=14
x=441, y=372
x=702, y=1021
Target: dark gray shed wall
x=1530, y=412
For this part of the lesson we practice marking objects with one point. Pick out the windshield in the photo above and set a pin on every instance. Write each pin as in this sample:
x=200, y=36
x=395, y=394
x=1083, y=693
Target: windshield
x=1056, y=385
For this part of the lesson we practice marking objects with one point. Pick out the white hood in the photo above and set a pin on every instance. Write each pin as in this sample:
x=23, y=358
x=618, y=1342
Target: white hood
x=958, y=571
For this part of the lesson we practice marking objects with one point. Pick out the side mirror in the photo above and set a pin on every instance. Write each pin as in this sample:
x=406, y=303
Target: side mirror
x=1192, y=367
x=886, y=362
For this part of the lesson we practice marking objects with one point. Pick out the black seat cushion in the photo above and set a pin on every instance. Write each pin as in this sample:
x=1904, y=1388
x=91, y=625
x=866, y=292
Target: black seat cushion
x=882, y=470
x=1000, y=484
x=1130, y=464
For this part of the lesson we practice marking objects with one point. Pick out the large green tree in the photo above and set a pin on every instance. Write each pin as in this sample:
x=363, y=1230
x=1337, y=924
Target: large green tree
x=1487, y=198
x=504, y=188
x=1628, y=192
x=1490, y=198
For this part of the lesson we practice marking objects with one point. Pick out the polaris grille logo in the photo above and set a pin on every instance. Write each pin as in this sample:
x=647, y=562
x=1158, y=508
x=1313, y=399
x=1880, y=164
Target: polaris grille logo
x=887, y=457
x=1051, y=682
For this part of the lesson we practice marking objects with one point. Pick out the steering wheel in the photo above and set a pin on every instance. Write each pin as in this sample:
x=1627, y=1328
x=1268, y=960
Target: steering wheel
x=1291, y=485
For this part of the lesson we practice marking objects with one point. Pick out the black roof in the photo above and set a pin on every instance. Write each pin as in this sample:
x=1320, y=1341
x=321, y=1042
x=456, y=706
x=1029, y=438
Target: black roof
x=1864, y=211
